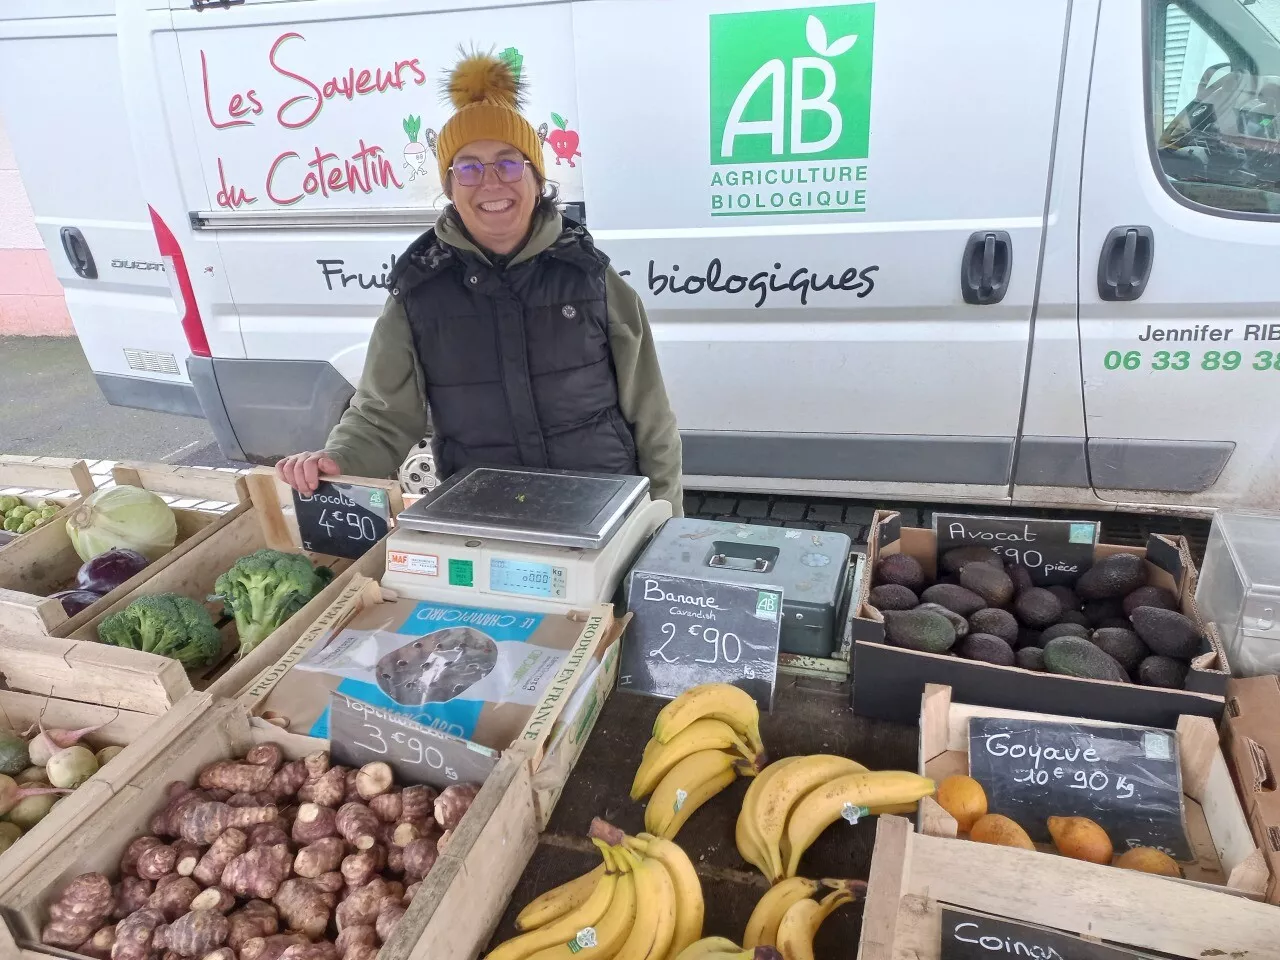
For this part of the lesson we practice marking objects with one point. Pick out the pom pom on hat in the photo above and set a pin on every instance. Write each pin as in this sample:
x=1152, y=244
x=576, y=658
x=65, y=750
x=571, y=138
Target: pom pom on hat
x=481, y=78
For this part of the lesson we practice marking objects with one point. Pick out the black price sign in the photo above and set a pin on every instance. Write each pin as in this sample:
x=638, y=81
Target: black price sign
x=1126, y=779
x=978, y=936
x=342, y=519
x=1053, y=551
x=361, y=733
x=686, y=632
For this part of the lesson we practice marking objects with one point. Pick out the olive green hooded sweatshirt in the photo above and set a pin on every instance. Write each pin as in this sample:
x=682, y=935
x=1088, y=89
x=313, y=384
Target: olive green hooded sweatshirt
x=388, y=414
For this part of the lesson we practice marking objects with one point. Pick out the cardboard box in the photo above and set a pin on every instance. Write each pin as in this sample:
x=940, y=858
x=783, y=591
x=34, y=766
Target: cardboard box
x=888, y=681
x=1217, y=831
x=1251, y=740
x=914, y=877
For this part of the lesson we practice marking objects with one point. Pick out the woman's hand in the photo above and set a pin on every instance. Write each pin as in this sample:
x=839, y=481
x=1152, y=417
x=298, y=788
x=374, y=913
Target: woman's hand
x=303, y=471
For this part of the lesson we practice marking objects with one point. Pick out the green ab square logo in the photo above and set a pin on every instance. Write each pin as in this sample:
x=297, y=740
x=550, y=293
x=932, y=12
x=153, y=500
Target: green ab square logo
x=791, y=85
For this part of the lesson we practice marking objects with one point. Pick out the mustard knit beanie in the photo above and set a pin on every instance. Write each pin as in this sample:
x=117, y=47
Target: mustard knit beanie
x=487, y=96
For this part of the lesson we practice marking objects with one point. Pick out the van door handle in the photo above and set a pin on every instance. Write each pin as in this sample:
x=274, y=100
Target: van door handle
x=77, y=251
x=1125, y=264
x=985, y=267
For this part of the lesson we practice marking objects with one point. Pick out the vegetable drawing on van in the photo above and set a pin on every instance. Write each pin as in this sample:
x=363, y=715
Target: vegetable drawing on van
x=415, y=154
x=563, y=140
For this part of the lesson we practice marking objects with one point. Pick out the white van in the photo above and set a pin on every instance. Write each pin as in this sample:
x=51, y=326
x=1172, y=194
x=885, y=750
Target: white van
x=987, y=251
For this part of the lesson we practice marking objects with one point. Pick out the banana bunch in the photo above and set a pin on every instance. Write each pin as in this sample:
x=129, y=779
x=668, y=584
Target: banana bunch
x=721, y=948
x=794, y=799
x=643, y=902
x=702, y=741
x=788, y=918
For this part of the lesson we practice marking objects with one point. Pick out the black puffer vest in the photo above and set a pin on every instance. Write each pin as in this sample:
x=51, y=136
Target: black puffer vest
x=517, y=360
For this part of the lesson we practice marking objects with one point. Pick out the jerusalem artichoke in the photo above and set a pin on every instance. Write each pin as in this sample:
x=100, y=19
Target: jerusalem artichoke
x=229, y=845
x=217, y=899
x=313, y=823
x=453, y=803
x=389, y=915
x=194, y=934
x=419, y=858
x=236, y=777
x=358, y=826
x=327, y=790
x=173, y=895
x=188, y=856
x=134, y=935
x=374, y=779
x=288, y=779
x=417, y=803
x=331, y=882
x=271, y=947
x=359, y=868
x=303, y=906
x=203, y=822
x=156, y=861
x=257, y=918
x=319, y=857
x=268, y=834
x=129, y=860
x=258, y=872
x=131, y=894
x=267, y=755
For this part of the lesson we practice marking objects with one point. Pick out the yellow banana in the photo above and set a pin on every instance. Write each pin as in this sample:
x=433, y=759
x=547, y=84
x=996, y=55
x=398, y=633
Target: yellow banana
x=895, y=808
x=719, y=701
x=801, y=922
x=690, y=783
x=558, y=901
x=762, y=928
x=603, y=939
x=655, y=910
x=850, y=796
x=688, y=889
x=659, y=757
x=783, y=791
x=715, y=948
x=746, y=835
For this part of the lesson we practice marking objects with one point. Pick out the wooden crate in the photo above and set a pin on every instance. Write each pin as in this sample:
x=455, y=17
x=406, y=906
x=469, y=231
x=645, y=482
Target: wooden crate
x=1226, y=855
x=913, y=876
x=44, y=560
x=453, y=914
x=250, y=526
x=141, y=735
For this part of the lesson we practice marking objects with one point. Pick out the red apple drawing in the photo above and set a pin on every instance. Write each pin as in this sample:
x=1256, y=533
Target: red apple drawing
x=563, y=140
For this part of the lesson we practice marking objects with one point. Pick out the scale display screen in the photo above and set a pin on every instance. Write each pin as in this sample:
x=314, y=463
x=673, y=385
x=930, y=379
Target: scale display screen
x=528, y=579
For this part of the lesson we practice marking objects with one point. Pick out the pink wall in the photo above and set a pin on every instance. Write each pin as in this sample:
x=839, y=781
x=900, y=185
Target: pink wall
x=31, y=301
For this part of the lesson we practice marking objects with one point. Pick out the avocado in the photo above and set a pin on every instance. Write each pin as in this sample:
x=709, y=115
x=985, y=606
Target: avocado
x=1037, y=607
x=1065, y=594
x=1167, y=632
x=991, y=584
x=902, y=569
x=1158, y=671
x=999, y=623
x=1150, y=597
x=1112, y=577
x=919, y=630
x=986, y=648
x=1029, y=638
x=1098, y=610
x=892, y=596
x=1020, y=576
x=1061, y=629
x=1114, y=623
x=954, y=560
x=1029, y=658
x=1076, y=657
x=1124, y=646
x=959, y=599
x=960, y=624
x=1073, y=616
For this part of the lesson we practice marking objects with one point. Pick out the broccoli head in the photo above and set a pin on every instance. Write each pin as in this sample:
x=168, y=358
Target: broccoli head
x=265, y=589
x=167, y=624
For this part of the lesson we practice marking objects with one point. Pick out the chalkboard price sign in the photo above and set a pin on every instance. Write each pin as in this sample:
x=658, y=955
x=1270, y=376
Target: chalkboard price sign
x=361, y=733
x=1126, y=779
x=342, y=519
x=687, y=631
x=978, y=936
x=1053, y=551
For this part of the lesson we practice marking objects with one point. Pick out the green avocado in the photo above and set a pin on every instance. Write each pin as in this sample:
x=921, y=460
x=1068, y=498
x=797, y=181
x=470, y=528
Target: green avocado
x=1037, y=608
x=892, y=596
x=998, y=623
x=1125, y=646
x=1063, y=629
x=963, y=601
x=1075, y=657
x=987, y=649
x=919, y=630
x=902, y=569
x=1150, y=597
x=960, y=623
x=1029, y=658
x=1158, y=671
x=991, y=584
x=1167, y=632
x=1113, y=577
x=953, y=561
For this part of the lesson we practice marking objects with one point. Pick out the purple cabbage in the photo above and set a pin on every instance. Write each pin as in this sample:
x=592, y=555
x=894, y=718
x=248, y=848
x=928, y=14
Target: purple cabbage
x=73, y=601
x=108, y=570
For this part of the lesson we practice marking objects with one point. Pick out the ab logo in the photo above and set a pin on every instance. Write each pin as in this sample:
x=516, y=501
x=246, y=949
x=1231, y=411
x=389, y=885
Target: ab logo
x=791, y=110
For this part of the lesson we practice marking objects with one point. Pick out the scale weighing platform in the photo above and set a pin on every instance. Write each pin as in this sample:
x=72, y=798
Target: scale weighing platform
x=544, y=541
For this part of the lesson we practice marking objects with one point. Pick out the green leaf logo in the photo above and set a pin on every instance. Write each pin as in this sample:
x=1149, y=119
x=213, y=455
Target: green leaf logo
x=411, y=127
x=513, y=59
x=559, y=121
x=816, y=34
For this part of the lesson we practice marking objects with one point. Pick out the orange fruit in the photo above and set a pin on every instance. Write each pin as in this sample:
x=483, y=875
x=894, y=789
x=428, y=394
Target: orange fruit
x=963, y=798
x=1000, y=830
x=1081, y=839
x=1149, y=860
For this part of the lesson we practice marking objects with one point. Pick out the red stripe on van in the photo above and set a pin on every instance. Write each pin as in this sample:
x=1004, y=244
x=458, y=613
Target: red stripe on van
x=192, y=325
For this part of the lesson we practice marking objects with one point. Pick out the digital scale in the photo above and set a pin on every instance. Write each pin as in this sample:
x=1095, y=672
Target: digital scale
x=544, y=541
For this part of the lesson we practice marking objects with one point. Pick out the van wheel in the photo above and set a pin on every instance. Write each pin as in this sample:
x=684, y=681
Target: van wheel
x=418, y=472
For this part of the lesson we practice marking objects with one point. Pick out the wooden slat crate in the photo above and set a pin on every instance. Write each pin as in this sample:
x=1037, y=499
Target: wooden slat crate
x=44, y=561
x=250, y=526
x=1218, y=832
x=914, y=876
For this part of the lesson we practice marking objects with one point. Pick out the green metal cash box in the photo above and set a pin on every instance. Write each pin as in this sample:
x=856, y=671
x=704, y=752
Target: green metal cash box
x=809, y=566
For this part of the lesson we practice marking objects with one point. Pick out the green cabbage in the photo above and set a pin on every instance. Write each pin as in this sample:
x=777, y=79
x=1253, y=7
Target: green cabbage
x=123, y=516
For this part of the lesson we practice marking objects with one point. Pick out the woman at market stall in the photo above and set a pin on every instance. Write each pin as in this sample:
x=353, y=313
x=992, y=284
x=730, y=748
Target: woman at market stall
x=507, y=334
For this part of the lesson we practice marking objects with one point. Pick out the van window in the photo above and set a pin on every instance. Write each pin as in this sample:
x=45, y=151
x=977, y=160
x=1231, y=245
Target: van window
x=1214, y=96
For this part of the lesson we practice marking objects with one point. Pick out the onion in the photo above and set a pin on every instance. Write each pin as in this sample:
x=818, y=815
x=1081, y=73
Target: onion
x=109, y=570
x=123, y=516
x=73, y=601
